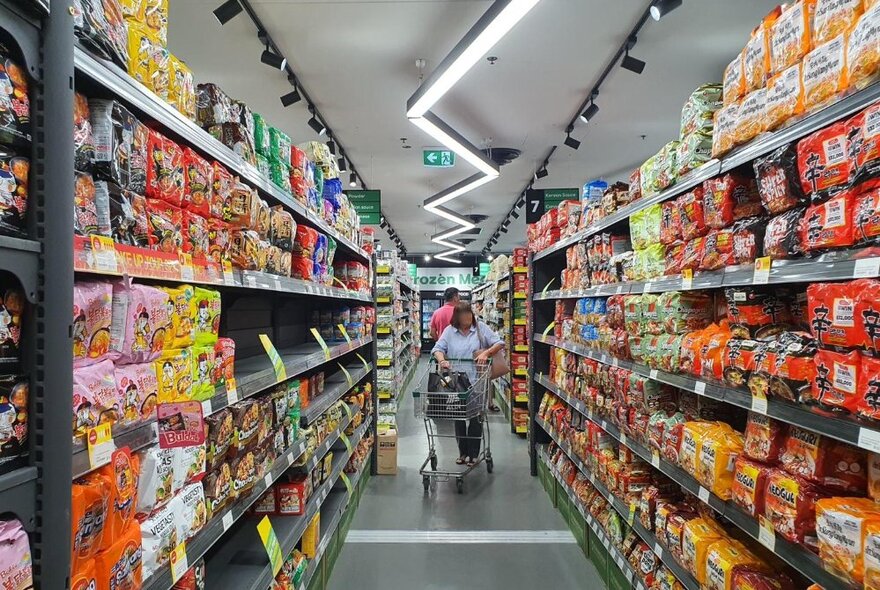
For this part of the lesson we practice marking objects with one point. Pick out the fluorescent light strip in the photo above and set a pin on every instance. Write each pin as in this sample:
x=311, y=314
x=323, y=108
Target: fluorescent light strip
x=457, y=190
x=431, y=125
x=468, y=56
x=443, y=257
x=449, y=233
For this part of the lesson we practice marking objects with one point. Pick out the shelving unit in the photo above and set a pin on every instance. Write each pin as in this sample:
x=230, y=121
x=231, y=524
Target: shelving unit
x=398, y=339
x=492, y=302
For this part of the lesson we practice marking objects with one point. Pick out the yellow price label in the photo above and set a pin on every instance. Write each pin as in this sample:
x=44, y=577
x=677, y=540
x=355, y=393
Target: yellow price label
x=631, y=517
x=347, y=374
x=100, y=444
x=274, y=357
x=547, y=286
x=347, y=483
x=104, y=254
x=548, y=328
x=270, y=542
x=321, y=342
x=341, y=284
x=687, y=278
x=363, y=360
x=762, y=271
x=344, y=332
x=179, y=563
x=228, y=277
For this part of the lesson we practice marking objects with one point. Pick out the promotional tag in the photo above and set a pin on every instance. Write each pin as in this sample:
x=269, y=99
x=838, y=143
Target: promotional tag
x=228, y=277
x=346, y=442
x=687, y=278
x=321, y=342
x=104, y=254
x=347, y=483
x=101, y=445
x=548, y=328
x=275, y=358
x=762, y=271
x=178, y=562
x=270, y=542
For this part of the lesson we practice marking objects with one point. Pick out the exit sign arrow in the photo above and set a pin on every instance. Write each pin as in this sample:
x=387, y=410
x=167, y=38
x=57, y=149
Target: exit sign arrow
x=438, y=158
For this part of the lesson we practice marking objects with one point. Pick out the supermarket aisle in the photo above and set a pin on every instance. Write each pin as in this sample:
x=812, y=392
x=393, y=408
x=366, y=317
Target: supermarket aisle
x=503, y=516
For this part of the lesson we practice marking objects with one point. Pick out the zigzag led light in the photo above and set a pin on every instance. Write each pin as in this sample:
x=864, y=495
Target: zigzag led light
x=501, y=17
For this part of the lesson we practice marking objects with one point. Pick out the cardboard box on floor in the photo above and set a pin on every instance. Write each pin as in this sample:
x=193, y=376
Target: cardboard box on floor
x=387, y=464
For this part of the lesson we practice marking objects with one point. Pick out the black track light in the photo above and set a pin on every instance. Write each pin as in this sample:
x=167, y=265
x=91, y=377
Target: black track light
x=270, y=58
x=663, y=7
x=353, y=179
x=291, y=97
x=542, y=173
x=571, y=141
x=342, y=166
x=629, y=62
x=590, y=112
x=315, y=124
x=382, y=223
x=504, y=229
x=331, y=145
x=515, y=214
x=227, y=11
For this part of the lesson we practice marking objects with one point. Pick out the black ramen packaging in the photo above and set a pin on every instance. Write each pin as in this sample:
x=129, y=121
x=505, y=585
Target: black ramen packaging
x=128, y=214
x=83, y=141
x=101, y=26
x=782, y=236
x=13, y=194
x=778, y=181
x=13, y=420
x=15, y=110
x=85, y=209
x=11, y=308
x=120, y=145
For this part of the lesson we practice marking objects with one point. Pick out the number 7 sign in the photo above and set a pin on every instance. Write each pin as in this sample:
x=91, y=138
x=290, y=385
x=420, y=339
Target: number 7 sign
x=534, y=205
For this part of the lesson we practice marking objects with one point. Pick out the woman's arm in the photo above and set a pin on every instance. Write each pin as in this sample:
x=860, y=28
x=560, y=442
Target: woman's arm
x=441, y=347
x=491, y=338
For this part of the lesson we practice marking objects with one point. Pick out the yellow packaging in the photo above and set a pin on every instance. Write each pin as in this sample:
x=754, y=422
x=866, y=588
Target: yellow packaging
x=790, y=38
x=824, y=72
x=692, y=435
x=833, y=17
x=721, y=558
x=150, y=14
x=863, y=49
x=181, y=88
x=697, y=536
x=142, y=49
x=183, y=318
x=841, y=527
x=312, y=537
x=872, y=556
x=715, y=462
x=174, y=370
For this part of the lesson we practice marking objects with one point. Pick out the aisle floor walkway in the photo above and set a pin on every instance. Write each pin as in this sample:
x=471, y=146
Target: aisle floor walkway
x=501, y=533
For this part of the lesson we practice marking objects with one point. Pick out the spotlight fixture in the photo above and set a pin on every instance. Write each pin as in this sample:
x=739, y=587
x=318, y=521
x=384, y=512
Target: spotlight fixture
x=522, y=200
x=590, y=111
x=331, y=145
x=427, y=258
x=291, y=97
x=353, y=179
x=227, y=11
x=315, y=124
x=342, y=166
x=382, y=223
x=571, y=141
x=270, y=58
x=629, y=62
x=542, y=173
x=663, y=7
x=504, y=229
x=490, y=257
x=515, y=214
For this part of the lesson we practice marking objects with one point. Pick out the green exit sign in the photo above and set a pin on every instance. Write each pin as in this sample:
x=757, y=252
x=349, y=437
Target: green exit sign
x=438, y=158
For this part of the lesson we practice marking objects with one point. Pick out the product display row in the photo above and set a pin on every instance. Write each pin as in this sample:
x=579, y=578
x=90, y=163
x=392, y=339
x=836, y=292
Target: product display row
x=398, y=343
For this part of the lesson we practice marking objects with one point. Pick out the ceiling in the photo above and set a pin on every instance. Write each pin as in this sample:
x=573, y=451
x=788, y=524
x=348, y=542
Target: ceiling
x=356, y=59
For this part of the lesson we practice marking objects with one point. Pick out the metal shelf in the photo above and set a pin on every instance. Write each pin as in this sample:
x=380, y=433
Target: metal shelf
x=18, y=495
x=683, y=576
x=21, y=257
x=800, y=558
x=242, y=564
x=335, y=389
x=846, y=106
x=832, y=266
x=862, y=433
x=134, y=94
x=253, y=375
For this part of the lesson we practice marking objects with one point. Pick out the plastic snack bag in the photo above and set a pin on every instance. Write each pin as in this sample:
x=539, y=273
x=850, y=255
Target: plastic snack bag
x=756, y=55
x=728, y=198
x=824, y=73
x=764, y=438
x=221, y=192
x=837, y=380
x=138, y=390
x=165, y=224
x=219, y=240
x=159, y=533
x=190, y=509
x=156, y=480
x=85, y=221
x=142, y=322
x=127, y=214
x=829, y=225
x=789, y=504
x=89, y=505
x=206, y=303
x=696, y=537
x=197, y=240
x=747, y=489
x=165, y=173
x=782, y=236
x=181, y=88
x=198, y=182
x=824, y=160
x=121, y=562
x=751, y=118
x=832, y=18
x=824, y=461
x=724, y=129
x=95, y=398
x=83, y=141
x=777, y=178
x=841, y=525
x=755, y=314
x=863, y=49
x=785, y=97
x=723, y=558
x=183, y=318
x=174, y=370
x=92, y=316
x=832, y=312
x=734, y=81
x=790, y=35
x=203, y=361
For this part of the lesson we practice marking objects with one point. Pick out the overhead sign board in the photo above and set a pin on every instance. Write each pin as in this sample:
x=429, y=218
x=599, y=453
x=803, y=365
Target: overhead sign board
x=368, y=205
x=539, y=201
x=438, y=279
x=438, y=158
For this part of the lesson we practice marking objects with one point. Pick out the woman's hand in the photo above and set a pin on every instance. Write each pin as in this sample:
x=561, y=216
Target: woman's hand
x=482, y=358
x=444, y=364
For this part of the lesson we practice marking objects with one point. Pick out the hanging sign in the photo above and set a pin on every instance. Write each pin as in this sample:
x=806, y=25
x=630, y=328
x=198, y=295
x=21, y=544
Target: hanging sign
x=539, y=201
x=368, y=205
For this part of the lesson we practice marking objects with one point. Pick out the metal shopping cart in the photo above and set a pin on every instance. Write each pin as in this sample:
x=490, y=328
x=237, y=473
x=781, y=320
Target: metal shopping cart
x=459, y=394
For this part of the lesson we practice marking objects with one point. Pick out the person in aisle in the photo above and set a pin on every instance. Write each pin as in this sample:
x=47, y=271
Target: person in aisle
x=464, y=338
x=441, y=318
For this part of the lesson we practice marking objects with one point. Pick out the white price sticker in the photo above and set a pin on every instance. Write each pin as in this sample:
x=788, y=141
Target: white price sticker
x=277, y=283
x=105, y=260
x=228, y=277
x=766, y=534
x=703, y=494
x=187, y=274
x=227, y=520
x=762, y=271
x=619, y=289
x=268, y=480
x=250, y=280
x=178, y=562
x=231, y=395
x=700, y=388
x=623, y=439
x=653, y=373
x=290, y=459
x=614, y=362
x=869, y=439
x=759, y=404
x=655, y=459
x=207, y=408
x=629, y=575
x=604, y=425
x=866, y=268
x=658, y=550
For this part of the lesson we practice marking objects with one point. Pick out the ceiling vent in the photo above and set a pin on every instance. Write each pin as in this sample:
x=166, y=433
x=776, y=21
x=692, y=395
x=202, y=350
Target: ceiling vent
x=477, y=218
x=502, y=156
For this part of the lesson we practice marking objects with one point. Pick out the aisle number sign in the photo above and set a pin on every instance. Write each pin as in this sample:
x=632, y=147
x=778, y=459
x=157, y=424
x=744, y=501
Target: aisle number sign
x=270, y=542
x=438, y=158
x=539, y=201
x=367, y=204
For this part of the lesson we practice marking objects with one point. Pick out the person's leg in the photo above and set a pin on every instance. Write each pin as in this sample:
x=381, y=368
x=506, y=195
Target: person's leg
x=460, y=434
x=475, y=432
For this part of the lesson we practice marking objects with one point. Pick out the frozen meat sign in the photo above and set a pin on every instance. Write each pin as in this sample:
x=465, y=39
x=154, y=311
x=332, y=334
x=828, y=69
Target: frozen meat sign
x=181, y=424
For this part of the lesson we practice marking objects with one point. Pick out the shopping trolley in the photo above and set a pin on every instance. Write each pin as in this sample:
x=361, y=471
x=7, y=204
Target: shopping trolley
x=465, y=396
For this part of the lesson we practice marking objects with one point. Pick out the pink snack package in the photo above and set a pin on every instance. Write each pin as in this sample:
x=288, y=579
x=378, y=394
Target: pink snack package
x=141, y=322
x=95, y=400
x=15, y=557
x=138, y=390
x=92, y=316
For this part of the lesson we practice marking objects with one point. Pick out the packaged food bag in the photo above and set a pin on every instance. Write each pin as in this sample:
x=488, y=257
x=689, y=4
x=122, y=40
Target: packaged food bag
x=196, y=233
x=156, y=479
x=791, y=35
x=203, y=361
x=724, y=129
x=831, y=18
x=88, y=516
x=755, y=314
x=183, y=318
x=751, y=118
x=824, y=160
x=206, y=303
x=219, y=241
x=764, y=438
x=189, y=465
x=824, y=73
x=837, y=380
x=828, y=225
x=691, y=214
x=696, y=537
x=95, y=399
x=826, y=462
x=127, y=214
x=181, y=88
x=15, y=125
x=160, y=535
x=692, y=437
x=693, y=151
x=101, y=26
x=224, y=355
x=120, y=566
x=92, y=316
x=165, y=226
x=670, y=222
x=174, y=370
x=868, y=393
x=782, y=236
x=241, y=206
x=244, y=249
x=718, y=454
x=221, y=193
x=834, y=320
x=747, y=489
x=283, y=228
x=120, y=477
x=142, y=322
x=219, y=437
x=728, y=198
x=777, y=178
x=872, y=551
x=138, y=390
x=198, y=177
x=698, y=111
x=785, y=97
x=723, y=558
x=190, y=509
x=756, y=55
x=85, y=209
x=841, y=525
x=121, y=145
x=863, y=48
x=734, y=82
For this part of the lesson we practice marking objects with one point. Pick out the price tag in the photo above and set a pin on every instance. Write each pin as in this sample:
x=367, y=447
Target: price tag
x=629, y=575
x=631, y=517
x=277, y=363
x=766, y=534
x=618, y=290
x=866, y=268
x=227, y=520
x=604, y=425
x=267, y=479
x=207, y=408
x=548, y=328
x=231, y=392
x=592, y=478
x=104, y=254
x=277, y=281
x=321, y=342
x=270, y=542
x=623, y=439
x=869, y=439
x=653, y=374
x=687, y=279
x=187, y=273
x=762, y=271
x=703, y=494
x=101, y=445
x=250, y=280
x=178, y=562
x=648, y=287
x=658, y=550
x=344, y=332
x=759, y=404
x=347, y=482
x=346, y=442
x=700, y=388
x=290, y=459
x=655, y=458
x=228, y=277
x=347, y=374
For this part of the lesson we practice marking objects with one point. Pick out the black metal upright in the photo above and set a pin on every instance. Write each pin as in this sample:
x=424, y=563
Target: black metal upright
x=374, y=464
